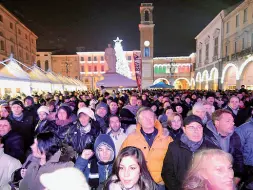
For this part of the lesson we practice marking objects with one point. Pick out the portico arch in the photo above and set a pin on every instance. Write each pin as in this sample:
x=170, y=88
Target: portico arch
x=161, y=80
x=182, y=83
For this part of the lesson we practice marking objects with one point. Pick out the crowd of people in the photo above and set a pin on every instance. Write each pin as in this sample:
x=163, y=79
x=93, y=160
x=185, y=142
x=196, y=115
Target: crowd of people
x=128, y=140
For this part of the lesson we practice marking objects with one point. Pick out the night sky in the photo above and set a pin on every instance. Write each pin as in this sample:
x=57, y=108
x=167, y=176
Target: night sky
x=92, y=24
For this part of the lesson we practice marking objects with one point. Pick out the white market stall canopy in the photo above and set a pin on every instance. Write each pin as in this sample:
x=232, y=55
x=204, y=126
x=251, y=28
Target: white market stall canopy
x=115, y=80
x=15, y=77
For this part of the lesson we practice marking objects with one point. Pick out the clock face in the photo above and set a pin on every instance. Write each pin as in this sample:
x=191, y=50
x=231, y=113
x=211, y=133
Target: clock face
x=146, y=43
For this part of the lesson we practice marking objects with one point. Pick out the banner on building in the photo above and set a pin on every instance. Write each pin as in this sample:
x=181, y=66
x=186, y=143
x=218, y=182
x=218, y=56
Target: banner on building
x=138, y=69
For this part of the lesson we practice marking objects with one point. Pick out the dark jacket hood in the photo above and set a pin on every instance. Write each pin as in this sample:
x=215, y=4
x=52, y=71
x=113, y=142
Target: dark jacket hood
x=104, y=139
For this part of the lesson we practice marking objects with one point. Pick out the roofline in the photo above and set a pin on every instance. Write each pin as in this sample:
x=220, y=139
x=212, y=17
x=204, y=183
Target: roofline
x=210, y=23
x=16, y=19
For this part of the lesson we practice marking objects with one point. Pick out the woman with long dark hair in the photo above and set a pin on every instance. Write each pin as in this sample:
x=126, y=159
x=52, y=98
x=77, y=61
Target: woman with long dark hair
x=130, y=172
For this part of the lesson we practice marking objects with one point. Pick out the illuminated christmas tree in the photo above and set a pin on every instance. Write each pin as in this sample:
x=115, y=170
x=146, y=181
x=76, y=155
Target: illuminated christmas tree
x=122, y=66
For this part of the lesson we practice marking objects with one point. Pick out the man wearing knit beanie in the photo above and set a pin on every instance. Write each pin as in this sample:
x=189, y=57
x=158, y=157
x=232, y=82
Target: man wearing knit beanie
x=101, y=116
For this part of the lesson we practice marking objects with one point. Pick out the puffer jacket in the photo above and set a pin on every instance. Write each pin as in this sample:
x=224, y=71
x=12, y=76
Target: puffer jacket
x=31, y=181
x=79, y=140
x=155, y=154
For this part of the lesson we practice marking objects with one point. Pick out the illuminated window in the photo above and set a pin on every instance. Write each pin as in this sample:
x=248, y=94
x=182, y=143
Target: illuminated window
x=146, y=52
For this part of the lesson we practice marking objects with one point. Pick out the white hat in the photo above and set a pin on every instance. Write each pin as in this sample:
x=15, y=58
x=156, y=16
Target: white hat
x=64, y=179
x=87, y=111
x=44, y=109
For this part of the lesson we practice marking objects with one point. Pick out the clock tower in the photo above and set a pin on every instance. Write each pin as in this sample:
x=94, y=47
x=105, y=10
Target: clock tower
x=146, y=28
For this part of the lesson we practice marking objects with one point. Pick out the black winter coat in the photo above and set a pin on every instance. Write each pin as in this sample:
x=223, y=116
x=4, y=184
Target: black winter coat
x=241, y=117
x=25, y=128
x=14, y=145
x=80, y=141
x=177, y=162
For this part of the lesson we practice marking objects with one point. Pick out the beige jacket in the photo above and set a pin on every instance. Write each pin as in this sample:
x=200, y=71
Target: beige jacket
x=8, y=165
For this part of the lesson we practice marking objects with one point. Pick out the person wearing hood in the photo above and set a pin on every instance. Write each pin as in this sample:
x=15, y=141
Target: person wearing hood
x=221, y=131
x=84, y=131
x=101, y=116
x=29, y=106
x=97, y=168
x=180, y=152
x=43, y=113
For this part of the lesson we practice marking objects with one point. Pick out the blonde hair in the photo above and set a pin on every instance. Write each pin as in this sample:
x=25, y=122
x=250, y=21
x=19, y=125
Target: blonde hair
x=194, y=177
x=171, y=118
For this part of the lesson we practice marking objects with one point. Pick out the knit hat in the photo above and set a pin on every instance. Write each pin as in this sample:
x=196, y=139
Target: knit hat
x=102, y=105
x=86, y=111
x=193, y=118
x=64, y=179
x=18, y=102
x=44, y=109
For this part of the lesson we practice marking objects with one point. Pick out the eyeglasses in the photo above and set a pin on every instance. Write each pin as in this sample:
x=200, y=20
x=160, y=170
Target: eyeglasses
x=194, y=128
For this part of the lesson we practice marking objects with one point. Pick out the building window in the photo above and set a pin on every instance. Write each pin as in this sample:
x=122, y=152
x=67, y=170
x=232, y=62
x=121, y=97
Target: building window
x=226, y=51
x=11, y=25
x=243, y=43
x=216, y=40
x=19, y=31
x=245, y=15
x=237, y=21
x=32, y=41
x=1, y=34
x=252, y=40
x=200, y=55
x=90, y=69
x=207, y=51
x=20, y=53
x=26, y=37
x=1, y=18
x=26, y=56
x=45, y=55
x=102, y=58
x=82, y=68
x=235, y=47
x=146, y=15
x=46, y=65
x=86, y=80
x=146, y=52
x=89, y=58
x=95, y=69
x=2, y=45
x=129, y=58
x=95, y=58
x=82, y=58
x=227, y=27
x=38, y=63
x=12, y=49
x=102, y=68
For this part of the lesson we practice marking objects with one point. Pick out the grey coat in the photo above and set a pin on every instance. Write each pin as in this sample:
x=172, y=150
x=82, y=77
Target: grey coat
x=31, y=180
